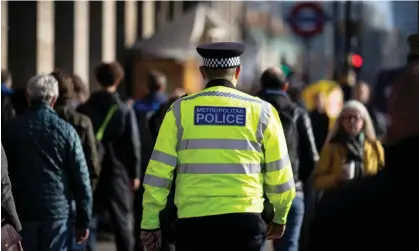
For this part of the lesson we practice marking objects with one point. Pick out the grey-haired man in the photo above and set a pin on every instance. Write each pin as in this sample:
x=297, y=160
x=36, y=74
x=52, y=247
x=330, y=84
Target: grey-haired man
x=47, y=166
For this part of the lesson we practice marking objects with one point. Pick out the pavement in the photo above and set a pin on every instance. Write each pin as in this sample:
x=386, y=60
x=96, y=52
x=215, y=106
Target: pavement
x=110, y=246
x=106, y=246
x=105, y=242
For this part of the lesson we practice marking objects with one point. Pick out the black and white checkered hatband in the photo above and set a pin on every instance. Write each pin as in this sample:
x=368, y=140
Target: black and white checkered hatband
x=221, y=62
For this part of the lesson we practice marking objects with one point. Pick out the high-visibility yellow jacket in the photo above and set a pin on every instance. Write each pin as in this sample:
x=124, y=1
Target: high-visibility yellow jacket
x=227, y=148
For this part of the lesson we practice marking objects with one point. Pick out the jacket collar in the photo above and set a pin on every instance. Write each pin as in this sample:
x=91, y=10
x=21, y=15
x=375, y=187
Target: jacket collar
x=219, y=82
x=35, y=106
x=276, y=92
x=61, y=108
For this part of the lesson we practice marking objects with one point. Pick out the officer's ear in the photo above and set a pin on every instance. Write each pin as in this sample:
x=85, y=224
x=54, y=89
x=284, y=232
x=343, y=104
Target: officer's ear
x=237, y=73
x=203, y=74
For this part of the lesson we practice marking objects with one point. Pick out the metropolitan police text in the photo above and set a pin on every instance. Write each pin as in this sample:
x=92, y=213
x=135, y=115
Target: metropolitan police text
x=205, y=115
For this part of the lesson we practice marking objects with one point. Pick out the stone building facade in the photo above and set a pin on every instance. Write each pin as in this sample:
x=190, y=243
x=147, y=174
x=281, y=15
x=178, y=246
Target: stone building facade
x=38, y=36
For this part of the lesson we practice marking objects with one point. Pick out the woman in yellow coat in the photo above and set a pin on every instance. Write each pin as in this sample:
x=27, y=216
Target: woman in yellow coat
x=351, y=149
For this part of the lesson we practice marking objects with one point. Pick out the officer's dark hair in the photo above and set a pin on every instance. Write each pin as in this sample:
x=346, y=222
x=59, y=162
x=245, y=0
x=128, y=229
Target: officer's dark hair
x=273, y=78
x=156, y=81
x=108, y=74
x=5, y=75
x=65, y=86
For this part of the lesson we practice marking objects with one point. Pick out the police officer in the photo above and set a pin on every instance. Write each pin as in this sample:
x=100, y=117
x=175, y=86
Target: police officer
x=227, y=149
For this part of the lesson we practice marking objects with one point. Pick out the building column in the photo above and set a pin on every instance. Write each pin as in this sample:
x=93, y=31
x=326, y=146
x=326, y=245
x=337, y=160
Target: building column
x=148, y=18
x=131, y=20
x=178, y=9
x=120, y=30
x=109, y=31
x=81, y=41
x=64, y=35
x=163, y=14
x=4, y=34
x=125, y=28
x=45, y=36
x=95, y=40
x=139, y=20
x=22, y=46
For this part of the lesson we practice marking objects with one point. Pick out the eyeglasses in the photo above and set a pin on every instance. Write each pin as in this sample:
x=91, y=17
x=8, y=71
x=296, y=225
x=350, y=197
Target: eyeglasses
x=350, y=117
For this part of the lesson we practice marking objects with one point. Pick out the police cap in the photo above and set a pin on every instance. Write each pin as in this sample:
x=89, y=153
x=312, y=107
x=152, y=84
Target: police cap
x=221, y=55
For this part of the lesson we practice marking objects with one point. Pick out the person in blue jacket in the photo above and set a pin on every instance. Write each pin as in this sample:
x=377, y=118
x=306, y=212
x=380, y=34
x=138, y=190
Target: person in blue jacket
x=156, y=96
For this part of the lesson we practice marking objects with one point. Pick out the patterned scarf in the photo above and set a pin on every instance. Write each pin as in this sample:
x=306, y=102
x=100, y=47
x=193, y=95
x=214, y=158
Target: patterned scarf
x=355, y=150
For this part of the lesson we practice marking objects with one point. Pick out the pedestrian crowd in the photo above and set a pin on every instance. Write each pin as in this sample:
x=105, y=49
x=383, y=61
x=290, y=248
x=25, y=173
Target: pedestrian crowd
x=70, y=157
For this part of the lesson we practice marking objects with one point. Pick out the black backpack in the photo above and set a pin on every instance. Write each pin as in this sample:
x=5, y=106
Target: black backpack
x=289, y=127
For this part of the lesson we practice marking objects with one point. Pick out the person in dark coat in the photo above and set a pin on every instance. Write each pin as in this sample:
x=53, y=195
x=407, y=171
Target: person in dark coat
x=8, y=206
x=157, y=118
x=156, y=97
x=303, y=157
x=81, y=123
x=84, y=128
x=47, y=167
x=380, y=212
x=169, y=214
x=149, y=128
x=121, y=174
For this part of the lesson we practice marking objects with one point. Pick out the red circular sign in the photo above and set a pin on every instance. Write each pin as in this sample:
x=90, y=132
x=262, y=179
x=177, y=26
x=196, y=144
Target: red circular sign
x=318, y=22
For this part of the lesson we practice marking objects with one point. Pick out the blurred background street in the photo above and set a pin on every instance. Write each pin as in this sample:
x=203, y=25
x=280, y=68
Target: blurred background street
x=327, y=53
x=78, y=35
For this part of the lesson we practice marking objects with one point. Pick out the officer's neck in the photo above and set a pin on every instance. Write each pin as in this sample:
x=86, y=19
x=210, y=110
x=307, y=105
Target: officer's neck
x=221, y=82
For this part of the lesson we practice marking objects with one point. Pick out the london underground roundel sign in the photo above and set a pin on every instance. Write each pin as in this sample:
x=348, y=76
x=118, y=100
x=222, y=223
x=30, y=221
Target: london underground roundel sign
x=307, y=19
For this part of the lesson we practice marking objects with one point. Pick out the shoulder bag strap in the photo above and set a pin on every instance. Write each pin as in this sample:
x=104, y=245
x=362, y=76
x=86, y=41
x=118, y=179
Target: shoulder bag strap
x=102, y=128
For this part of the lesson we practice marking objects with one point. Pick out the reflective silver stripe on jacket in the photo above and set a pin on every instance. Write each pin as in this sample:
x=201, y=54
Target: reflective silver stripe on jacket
x=157, y=181
x=178, y=119
x=224, y=144
x=282, y=188
x=214, y=168
x=221, y=144
x=164, y=158
x=263, y=121
x=278, y=164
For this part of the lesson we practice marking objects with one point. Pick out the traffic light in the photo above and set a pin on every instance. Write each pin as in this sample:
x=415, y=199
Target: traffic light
x=356, y=61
